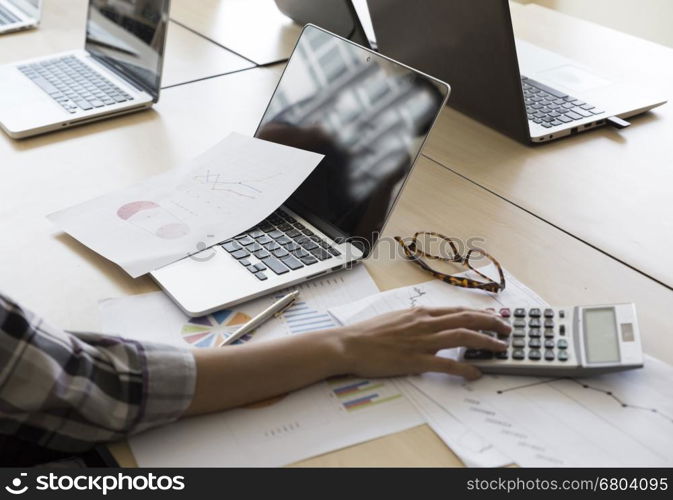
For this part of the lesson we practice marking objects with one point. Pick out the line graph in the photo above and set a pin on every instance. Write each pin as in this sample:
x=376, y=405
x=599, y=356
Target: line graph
x=584, y=385
x=244, y=188
x=415, y=295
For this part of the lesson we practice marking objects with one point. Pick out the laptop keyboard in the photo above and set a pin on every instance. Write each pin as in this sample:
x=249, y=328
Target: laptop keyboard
x=279, y=244
x=6, y=17
x=73, y=84
x=550, y=108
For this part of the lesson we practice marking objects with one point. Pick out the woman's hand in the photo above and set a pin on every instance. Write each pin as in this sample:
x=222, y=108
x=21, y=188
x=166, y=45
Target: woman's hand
x=406, y=342
x=399, y=343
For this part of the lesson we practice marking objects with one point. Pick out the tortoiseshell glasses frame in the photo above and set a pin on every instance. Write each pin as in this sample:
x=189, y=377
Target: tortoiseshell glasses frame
x=416, y=255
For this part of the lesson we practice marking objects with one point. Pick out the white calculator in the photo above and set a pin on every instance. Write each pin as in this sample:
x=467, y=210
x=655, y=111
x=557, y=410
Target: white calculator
x=565, y=342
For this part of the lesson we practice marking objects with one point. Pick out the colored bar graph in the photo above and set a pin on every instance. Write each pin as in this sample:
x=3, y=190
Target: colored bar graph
x=346, y=389
x=300, y=318
x=368, y=401
x=355, y=394
x=359, y=401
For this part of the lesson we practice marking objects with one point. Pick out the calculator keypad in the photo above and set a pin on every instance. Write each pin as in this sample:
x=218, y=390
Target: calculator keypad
x=538, y=336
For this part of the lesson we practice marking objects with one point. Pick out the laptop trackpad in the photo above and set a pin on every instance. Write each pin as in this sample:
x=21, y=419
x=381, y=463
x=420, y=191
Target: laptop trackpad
x=573, y=78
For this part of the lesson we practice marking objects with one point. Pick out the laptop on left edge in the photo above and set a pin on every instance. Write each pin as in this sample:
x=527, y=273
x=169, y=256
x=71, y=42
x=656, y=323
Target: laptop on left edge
x=17, y=15
x=117, y=72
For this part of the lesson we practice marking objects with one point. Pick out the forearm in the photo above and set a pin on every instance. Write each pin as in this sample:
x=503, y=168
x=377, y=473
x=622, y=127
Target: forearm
x=236, y=375
x=398, y=343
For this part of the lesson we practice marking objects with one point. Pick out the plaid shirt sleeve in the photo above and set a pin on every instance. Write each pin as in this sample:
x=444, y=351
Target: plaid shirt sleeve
x=67, y=391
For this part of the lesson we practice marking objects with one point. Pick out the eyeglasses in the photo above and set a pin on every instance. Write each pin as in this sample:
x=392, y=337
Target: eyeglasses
x=431, y=246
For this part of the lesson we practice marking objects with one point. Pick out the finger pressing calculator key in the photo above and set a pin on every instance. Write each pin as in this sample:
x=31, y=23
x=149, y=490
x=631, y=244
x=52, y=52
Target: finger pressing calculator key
x=565, y=342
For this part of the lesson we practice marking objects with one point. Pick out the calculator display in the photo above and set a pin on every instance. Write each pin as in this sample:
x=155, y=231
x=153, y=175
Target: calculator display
x=600, y=335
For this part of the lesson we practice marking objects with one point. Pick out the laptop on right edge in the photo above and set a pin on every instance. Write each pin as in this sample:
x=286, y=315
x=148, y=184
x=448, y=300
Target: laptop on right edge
x=526, y=92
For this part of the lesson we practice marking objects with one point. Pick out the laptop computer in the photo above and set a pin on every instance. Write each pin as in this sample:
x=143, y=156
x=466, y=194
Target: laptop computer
x=117, y=72
x=517, y=88
x=336, y=16
x=16, y=15
x=369, y=116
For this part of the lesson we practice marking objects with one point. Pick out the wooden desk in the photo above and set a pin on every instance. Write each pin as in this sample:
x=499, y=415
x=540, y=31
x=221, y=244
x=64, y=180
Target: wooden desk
x=49, y=172
x=188, y=56
x=64, y=281
x=610, y=188
x=255, y=29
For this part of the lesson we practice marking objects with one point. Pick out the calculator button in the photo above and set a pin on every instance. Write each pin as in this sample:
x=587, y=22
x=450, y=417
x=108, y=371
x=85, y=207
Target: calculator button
x=562, y=329
x=549, y=323
x=534, y=343
x=518, y=354
x=549, y=343
x=478, y=354
x=563, y=356
x=519, y=312
x=501, y=355
x=534, y=313
x=534, y=354
x=534, y=333
x=549, y=333
x=534, y=323
x=518, y=332
x=549, y=355
x=562, y=344
x=561, y=314
x=519, y=323
x=518, y=343
x=505, y=312
x=548, y=313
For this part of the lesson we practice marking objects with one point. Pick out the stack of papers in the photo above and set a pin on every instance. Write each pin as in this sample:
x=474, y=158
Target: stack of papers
x=616, y=420
x=324, y=417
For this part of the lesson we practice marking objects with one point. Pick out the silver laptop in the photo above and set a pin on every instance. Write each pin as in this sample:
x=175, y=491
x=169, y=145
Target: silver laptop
x=117, y=72
x=16, y=15
x=515, y=87
x=369, y=116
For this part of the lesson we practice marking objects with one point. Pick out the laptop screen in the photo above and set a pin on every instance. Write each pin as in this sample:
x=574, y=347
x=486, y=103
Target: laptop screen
x=129, y=35
x=368, y=115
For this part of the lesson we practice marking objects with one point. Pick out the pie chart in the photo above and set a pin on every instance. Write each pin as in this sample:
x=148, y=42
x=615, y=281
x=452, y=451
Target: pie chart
x=210, y=330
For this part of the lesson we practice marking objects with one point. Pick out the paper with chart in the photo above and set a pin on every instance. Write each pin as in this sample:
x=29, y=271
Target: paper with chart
x=615, y=420
x=153, y=317
x=321, y=418
x=473, y=449
x=436, y=293
x=222, y=192
x=467, y=442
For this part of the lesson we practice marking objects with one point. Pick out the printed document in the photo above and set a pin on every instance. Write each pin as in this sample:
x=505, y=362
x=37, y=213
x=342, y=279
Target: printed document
x=226, y=190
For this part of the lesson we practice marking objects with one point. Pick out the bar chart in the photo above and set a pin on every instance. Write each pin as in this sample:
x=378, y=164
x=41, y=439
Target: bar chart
x=357, y=394
x=302, y=318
